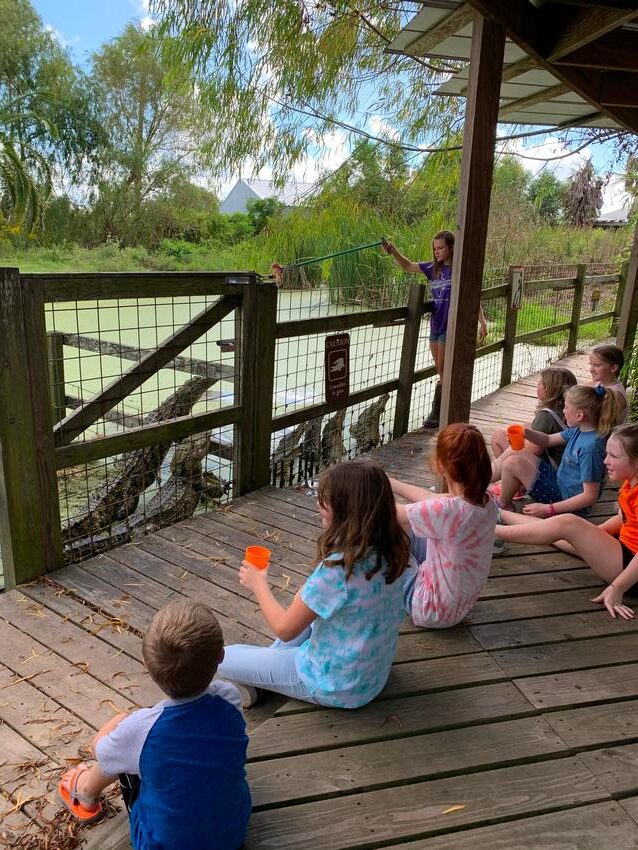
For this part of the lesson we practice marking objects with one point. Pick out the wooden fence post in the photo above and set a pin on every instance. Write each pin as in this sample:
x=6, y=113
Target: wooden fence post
x=622, y=282
x=256, y=380
x=408, y=359
x=55, y=357
x=30, y=534
x=577, y=305
x=509, y=334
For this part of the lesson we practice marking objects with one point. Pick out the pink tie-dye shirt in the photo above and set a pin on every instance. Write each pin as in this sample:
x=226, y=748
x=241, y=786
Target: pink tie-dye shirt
x=459, y=553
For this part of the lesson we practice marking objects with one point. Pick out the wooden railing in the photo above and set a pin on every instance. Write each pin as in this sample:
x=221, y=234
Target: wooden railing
x=37, y=436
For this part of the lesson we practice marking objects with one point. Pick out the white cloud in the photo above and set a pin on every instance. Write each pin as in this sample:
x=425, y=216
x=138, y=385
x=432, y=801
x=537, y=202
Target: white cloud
x=379, y=127
x=551, y=155
x=61, y=39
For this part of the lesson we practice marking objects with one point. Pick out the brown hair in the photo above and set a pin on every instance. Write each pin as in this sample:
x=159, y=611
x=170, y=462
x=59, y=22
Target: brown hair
x=363, y=516
x=182, y=648
x=462, y=453
x=627, y=436
x=556, y=380
x=600, y=405
x=448, y=237
x=612, y=355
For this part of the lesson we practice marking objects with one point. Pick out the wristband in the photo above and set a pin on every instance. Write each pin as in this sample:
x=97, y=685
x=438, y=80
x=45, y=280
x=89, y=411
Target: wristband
x=551, y=509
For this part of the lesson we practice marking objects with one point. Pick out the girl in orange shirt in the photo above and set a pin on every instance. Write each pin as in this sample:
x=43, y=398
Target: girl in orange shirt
x=610, y=549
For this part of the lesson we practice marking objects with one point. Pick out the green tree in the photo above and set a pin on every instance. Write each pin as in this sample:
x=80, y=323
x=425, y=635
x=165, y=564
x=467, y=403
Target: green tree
x=150, y=119
x=583, y=196
x=277, y=77
x=547, y=193
x=261, y=210
x=47, y=114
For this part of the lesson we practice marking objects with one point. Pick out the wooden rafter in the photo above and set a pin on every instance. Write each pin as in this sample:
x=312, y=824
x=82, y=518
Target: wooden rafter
x=78, y=421
x=611, y=52
x=450, y=25
x=532, y=99
x=526, y=27
x=568, y=28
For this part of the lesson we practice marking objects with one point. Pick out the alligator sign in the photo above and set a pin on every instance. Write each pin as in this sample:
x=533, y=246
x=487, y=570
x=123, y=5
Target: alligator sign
x=337, y=367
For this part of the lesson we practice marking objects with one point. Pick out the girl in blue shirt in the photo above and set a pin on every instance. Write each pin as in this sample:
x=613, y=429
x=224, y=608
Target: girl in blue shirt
x=336, y=642
x=590, y=414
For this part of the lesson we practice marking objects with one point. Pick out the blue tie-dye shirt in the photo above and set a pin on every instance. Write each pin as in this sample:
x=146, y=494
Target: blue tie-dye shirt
x=347, y=659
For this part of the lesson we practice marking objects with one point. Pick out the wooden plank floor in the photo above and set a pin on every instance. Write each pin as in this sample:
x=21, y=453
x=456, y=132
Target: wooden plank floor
x=518, y=729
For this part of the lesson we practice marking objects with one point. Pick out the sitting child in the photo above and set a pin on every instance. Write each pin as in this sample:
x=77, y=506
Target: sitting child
x=451, y=534
x=590, y=413
x=336, y=641
x=610, y=549
x=551, y=388
x=181, y=763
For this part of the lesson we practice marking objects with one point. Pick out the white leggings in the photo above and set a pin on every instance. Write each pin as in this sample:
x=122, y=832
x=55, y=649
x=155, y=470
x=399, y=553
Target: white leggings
x=273, y=667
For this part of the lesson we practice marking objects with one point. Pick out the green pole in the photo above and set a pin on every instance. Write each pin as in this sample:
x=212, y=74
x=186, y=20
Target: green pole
x=337, y=254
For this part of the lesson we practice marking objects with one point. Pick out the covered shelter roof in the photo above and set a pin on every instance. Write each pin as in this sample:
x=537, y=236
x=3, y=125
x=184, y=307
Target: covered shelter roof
x=566, y=64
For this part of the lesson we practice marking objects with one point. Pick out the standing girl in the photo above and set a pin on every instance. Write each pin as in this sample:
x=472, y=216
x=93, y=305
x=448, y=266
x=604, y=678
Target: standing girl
x=336, y=642
x=610, y=549
x=451, y=534
x=439, y=273
x=590, y=413
x=605, y=365
x=549, y=418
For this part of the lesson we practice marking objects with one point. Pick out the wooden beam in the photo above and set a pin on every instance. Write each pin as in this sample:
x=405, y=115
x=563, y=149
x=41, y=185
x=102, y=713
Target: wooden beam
x=477, y=164
x=92, y=286
x=78, y=421
x=30, y=533
x=629, y=309
x=408, y=359
x=530, y=100
x=455, y=21
x=611, y=52
x=330, y=324
x=526, y=26
x=568, y=28
x=619, y=88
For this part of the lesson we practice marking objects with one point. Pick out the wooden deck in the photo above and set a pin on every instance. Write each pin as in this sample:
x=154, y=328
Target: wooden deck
x=517, y=730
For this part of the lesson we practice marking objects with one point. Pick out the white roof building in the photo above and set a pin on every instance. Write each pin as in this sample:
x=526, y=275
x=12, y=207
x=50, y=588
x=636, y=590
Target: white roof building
x=244, y=190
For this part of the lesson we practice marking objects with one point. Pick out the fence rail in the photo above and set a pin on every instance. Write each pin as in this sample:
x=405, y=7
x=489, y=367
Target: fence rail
x=158, y=470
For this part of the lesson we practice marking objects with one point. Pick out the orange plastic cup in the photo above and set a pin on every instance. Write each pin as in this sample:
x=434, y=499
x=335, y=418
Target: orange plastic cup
x=516, y=437
x=258, y=556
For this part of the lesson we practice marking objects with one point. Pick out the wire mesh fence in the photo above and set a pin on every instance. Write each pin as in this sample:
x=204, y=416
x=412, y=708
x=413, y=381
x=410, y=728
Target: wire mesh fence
x=91, y=345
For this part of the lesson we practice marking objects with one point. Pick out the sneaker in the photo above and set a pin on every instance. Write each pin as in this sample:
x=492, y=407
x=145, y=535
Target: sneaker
x=498, y=546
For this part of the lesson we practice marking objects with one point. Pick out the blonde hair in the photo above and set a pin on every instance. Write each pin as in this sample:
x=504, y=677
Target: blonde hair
x=599, y=404
x=556, y=380
x=182, y=648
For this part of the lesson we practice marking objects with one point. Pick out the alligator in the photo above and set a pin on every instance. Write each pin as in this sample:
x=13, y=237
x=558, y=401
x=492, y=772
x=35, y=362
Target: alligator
x=366, y=429
x=119, y=497
x=332, y=445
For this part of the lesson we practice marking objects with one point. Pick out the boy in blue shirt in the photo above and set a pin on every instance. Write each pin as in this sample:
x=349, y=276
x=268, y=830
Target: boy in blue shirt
x=181, y=763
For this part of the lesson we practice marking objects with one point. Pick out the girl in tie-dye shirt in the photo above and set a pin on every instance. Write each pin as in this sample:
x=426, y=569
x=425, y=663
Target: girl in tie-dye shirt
x=451, y=534
x=336, y=642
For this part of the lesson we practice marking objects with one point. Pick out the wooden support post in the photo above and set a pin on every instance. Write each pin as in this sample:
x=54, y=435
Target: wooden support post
x=55, y=356
x=629, y=311
x=30, y=534
x=477, y=164
x=257, y=369
x=408, y=359
x=511, y=319
x=577, y=305
x=622, y=283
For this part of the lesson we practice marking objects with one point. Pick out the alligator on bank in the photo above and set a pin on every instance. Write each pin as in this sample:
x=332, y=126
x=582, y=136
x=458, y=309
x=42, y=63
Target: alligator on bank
x=366, y=429
x=119, y=497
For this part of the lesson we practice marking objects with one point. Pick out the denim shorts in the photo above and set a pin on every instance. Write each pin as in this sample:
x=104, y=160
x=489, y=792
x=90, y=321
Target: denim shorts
x=440, y=337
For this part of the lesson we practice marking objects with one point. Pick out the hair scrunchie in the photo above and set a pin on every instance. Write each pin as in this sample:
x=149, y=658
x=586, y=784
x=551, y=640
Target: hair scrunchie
x=600, y=390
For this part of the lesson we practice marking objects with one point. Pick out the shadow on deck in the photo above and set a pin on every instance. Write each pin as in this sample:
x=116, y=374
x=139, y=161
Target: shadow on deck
x=517, y=729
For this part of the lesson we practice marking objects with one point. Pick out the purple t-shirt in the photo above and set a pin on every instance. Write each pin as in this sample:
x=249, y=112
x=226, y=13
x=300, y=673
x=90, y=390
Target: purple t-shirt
x=440, y=296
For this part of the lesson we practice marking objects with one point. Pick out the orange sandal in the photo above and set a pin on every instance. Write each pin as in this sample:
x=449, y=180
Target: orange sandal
x=78, y=804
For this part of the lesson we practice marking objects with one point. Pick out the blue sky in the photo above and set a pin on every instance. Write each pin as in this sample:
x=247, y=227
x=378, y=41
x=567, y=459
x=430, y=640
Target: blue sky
x=84, y=25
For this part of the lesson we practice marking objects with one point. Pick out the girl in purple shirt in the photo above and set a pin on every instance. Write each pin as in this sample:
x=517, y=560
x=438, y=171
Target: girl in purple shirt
x=439, y=273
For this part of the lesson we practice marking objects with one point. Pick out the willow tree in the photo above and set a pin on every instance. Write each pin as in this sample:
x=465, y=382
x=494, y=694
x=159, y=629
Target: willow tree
x=277, y=77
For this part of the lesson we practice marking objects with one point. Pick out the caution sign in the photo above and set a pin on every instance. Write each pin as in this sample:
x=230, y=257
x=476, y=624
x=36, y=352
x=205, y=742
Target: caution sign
x=517, y=287
x=337, y=367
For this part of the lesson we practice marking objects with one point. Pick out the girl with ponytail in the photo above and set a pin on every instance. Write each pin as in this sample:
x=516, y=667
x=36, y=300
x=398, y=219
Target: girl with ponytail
x=451, y=533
